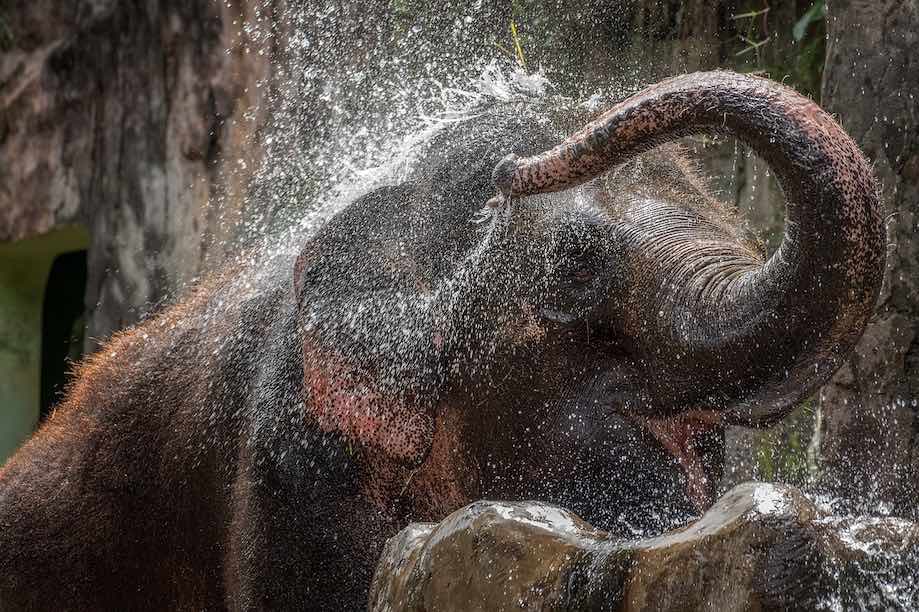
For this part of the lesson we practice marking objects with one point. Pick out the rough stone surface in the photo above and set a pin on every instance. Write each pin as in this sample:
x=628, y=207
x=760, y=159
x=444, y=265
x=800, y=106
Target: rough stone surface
x=760, y=547
x=870, y=422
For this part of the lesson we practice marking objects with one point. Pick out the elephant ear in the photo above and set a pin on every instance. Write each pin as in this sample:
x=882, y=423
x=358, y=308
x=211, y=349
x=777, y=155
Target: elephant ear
x=340, y=397
x=341, y=400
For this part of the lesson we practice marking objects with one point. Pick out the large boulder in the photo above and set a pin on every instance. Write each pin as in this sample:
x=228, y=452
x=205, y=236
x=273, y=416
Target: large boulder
x=760, y=547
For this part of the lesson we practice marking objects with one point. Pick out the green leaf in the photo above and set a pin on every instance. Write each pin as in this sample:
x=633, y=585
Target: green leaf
x=814, y=13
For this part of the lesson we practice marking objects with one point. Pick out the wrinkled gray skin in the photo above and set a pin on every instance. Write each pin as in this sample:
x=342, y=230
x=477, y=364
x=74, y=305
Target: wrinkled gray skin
x=254, y=445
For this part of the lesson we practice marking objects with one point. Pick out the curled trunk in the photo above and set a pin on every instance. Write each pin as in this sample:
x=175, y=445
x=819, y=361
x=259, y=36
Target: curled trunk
x=748, y=337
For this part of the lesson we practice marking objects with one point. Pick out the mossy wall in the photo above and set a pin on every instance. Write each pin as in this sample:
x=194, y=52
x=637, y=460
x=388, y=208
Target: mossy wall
x=24, y=267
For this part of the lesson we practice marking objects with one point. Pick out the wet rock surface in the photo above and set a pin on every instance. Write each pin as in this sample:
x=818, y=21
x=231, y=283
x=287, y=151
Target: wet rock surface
x=760, y=547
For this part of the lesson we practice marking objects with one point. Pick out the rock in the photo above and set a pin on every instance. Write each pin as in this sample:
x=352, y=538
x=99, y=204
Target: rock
x=760, y=547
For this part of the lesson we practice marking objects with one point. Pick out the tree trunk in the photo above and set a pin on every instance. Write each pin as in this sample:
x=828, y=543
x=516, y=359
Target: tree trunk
x=128, y=118
x=870, y=431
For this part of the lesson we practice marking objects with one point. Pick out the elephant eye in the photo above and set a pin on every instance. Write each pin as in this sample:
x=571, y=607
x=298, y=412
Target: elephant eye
x=582, y=274
x=577, y=257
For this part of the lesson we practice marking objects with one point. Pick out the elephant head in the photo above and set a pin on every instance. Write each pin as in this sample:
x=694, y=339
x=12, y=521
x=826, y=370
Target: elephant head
x=588, y=339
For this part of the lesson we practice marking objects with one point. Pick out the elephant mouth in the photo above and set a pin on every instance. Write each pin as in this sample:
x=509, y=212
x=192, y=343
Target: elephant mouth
x=682, y=437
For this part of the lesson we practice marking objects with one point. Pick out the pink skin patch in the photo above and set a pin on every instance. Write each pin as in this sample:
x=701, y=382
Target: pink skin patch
x=342, y=401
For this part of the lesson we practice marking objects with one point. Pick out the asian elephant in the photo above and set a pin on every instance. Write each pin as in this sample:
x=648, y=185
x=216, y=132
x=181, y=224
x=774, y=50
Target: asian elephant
x=576, y=326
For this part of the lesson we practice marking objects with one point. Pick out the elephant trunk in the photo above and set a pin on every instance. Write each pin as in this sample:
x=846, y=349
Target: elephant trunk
x=747, y=338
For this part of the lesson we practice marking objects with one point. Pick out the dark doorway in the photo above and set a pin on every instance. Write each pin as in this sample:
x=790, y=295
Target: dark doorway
x=63, y=322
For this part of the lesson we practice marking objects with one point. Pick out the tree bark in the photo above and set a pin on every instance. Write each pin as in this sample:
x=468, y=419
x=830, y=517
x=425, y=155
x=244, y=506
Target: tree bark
x=870, y=431
x=130, y=119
